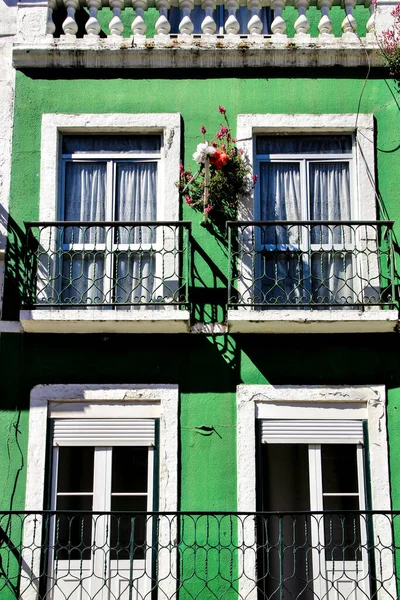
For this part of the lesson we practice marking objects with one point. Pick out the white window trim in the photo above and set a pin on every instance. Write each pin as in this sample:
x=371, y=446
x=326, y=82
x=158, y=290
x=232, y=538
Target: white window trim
x=313, y=402
x=362, y=125
x=99, y=401
x=167, y=124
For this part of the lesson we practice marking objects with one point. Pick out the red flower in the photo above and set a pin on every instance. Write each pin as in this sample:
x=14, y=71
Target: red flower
x=219, y=159
x=203, y=130
x=221, y=109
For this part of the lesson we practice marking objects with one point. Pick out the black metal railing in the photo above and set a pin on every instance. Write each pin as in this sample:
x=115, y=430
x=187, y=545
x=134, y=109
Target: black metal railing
x=107, y=264
x=275, y=555
x=315, y=264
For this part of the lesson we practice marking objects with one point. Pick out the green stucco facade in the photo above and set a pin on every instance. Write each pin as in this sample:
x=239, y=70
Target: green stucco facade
x=206, y=368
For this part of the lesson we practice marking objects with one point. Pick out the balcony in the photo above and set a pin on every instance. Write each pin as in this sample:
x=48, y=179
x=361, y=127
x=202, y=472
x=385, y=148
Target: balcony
x=220, y=33
x=311, y=277
x=308, y=555
x=106, y=277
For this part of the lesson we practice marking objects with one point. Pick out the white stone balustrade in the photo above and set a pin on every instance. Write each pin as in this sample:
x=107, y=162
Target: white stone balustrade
x=217, y=24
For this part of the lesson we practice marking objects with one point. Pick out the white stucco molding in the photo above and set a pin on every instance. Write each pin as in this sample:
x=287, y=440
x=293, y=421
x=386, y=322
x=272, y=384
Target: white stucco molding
x=362, y=125
x=167, y=124
x=104, y=401
x=99, y=401
x=383, y=18
x=315, y=402
x=103, y=54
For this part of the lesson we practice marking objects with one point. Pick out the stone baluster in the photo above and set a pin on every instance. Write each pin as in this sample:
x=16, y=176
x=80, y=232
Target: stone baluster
x=138, y=25
x=92, y=24
x=325, y=24
x=349, y=25
x=186, y=25
x=116, y=25
x=302, y=24
x=50, y=23
x=232, y=25
x=370, y=26
x=70, y=26
x=255, y=24
x=278, y=25
x=163, y=26
x=208, y=25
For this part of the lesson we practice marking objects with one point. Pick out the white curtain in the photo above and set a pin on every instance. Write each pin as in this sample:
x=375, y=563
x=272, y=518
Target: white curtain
x=136, y=201
x=127, y=276
x=332, y=275
x=289, y=273
x=281, y=272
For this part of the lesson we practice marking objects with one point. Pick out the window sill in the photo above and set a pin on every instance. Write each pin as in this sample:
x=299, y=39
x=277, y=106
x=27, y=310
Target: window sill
x=167, y=320
x=312, y=321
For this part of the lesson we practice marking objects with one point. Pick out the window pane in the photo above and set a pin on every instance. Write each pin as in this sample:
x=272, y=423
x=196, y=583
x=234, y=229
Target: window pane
x=129, y=470
x=304, y=144
x=134, y=273
x=342, y=531
x=75, y=469
x=136, y=194
x=73, y=532
x=128, y=532
x=83, y=278
x=280, y=194
x=111, y=144
x=330, y=200
x=84, y=200
x=339, y=469
x=284, y=541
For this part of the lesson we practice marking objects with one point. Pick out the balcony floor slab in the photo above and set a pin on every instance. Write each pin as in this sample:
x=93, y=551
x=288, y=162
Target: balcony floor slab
x=163, y=320
x=312, y=321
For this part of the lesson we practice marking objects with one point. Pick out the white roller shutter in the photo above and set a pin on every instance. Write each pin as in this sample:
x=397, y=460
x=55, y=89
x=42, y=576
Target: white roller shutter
x=309, y=431
x=104, y=432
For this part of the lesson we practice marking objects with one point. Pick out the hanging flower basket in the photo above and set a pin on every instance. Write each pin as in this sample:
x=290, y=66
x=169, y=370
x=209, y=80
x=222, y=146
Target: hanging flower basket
x=223, y=175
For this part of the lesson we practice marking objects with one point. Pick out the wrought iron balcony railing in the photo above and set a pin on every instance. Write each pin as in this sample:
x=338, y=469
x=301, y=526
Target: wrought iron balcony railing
x=107, y=264
x=314, y=264
x=298, y=555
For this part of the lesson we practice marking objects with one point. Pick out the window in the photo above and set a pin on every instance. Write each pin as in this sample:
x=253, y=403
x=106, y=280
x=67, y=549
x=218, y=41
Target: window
x=309, y=238
x=103, y=469
x=101, y=476
x=103, y=175
x=110, y=179
x=308, y=468
x=306, y=178
x=324, y=554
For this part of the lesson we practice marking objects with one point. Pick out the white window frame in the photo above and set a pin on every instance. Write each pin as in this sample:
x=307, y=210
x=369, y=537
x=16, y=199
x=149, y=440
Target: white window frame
x=166, y=318
x=168, y=125
x=361, y=126
x=116, y=401
x=320, y=403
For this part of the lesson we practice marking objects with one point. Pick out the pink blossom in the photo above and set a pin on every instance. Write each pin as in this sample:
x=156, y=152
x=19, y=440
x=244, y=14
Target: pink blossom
x=188, y=200
x=203, y=130
x=224, y=131
x=208, y=208
x=254, y=178
x=221, y=110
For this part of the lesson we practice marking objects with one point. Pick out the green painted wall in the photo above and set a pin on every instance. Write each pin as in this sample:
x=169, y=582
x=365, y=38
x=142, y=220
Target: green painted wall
x=206, y=369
